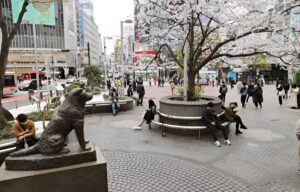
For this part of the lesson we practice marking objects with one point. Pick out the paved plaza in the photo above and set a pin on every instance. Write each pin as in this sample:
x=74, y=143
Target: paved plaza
x=263, y=159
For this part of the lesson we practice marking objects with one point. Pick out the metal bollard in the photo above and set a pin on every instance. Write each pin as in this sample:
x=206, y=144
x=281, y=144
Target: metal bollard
x=16, y=104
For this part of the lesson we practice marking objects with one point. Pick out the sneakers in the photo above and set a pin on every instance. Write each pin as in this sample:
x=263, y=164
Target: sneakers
x=217, y=143
x=137, y=128
x=227, y=142
x=238, y=132
x=244, y=127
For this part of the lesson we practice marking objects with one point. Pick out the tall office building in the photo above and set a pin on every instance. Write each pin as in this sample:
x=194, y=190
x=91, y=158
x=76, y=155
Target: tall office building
x=51, y=39
x=89, y=34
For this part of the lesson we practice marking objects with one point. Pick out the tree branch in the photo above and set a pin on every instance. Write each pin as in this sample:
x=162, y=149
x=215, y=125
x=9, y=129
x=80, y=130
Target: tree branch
x=172, y=54
x=17, y=25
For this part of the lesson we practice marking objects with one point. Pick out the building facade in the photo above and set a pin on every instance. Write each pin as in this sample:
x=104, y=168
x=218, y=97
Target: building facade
x=89, y=35
x=51, y=39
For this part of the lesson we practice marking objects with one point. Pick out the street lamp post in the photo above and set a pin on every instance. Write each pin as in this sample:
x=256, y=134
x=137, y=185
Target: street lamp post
x=105, y=64
x=121, y=53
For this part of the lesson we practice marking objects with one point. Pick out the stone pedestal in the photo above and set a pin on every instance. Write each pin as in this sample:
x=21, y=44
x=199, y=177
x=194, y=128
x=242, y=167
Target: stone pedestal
x=90, y=177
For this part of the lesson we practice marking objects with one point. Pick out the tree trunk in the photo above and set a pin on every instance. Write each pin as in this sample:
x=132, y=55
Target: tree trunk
x=191, y=86
x=3, y=62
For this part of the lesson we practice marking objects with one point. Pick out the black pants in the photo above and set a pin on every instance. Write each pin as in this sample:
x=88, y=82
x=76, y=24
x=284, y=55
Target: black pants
x=214, y=128
x=280, y=100
x=29, y=143
x=243, y=100
x=238, y=122
x=140, y=99
x=223, y=97
x=249, y=95
x=256, y=103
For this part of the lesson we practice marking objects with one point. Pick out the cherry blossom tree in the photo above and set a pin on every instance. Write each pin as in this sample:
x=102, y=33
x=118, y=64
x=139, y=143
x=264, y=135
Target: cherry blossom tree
x=212, y=29
x=7, y=37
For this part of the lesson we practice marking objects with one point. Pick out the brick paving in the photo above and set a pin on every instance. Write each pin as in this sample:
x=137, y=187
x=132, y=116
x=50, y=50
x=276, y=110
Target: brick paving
x=262, y=159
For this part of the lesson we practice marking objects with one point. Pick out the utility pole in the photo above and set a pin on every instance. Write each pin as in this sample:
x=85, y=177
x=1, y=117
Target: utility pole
x=89, y=56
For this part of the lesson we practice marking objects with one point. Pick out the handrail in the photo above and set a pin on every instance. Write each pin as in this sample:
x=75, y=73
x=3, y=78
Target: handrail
x=178, y=126
x=178, y=117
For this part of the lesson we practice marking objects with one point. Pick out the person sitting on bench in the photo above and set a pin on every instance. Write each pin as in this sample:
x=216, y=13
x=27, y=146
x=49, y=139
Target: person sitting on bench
x=210, y=120
x=149, y=115
x=230, y=115
x=24, y=131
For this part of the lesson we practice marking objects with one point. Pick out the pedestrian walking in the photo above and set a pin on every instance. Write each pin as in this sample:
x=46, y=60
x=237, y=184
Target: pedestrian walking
x=150, y=82
x=244, y=93
x=172, y=87
x=258, y=96
x=250, y=91
x=114, y=97
x=293, y=101
x=134, y=85
x=286, y=87
x=232, y=82
x=162, y=82
x=141, y=92
x=159, y=82
x=231, y=116
x=211, y=122
x=280, y=92
x=239, y=86
x=129, y=90
x=108, y=83
x=298, y=137
x=148, y=116
x=223, y=91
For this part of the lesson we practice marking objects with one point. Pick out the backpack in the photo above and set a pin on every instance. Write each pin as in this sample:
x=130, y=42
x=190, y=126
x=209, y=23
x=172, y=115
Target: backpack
x=244, y=91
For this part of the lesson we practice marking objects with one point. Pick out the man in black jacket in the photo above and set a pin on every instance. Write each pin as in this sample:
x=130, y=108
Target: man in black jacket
x=141, y=92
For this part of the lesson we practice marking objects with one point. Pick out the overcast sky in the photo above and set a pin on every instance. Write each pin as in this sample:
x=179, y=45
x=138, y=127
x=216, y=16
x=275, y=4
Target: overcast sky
x=109, y=13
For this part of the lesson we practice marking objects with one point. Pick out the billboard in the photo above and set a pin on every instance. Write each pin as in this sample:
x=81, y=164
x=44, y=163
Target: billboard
x=139, y=7
x=38, y=12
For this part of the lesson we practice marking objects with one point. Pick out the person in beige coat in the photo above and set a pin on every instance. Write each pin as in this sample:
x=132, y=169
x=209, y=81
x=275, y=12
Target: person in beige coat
x=298, y=137
x=292, y=102
x=239, y=86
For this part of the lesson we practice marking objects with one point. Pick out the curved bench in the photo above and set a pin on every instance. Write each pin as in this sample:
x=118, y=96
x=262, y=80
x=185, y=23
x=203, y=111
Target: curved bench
x=199, y=128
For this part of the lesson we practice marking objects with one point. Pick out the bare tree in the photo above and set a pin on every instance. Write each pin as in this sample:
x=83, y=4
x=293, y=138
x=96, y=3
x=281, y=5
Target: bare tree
x=7, y=37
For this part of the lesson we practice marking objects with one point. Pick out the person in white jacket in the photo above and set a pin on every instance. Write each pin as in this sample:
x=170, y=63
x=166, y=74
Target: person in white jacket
x=298, y=137
x=292, y=102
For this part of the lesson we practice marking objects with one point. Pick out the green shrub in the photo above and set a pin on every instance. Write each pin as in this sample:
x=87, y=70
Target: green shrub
x=76, y=85
x=197, y=93
x=6, y=132
x=79, y=85
x=94, y=76
x=38, y=116
x=296, y=77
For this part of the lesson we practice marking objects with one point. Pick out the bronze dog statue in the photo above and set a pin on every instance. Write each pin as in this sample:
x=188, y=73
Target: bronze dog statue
x=69, y=116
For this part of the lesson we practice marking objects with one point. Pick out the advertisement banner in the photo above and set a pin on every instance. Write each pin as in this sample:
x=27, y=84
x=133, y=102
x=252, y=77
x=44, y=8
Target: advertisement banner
x=40, y=12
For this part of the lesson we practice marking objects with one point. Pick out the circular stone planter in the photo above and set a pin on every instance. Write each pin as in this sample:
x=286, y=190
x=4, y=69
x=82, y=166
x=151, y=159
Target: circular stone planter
x=170, y=106
x=126, y=104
